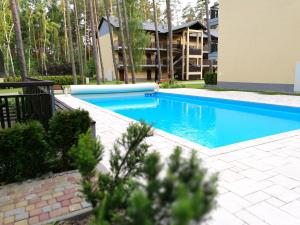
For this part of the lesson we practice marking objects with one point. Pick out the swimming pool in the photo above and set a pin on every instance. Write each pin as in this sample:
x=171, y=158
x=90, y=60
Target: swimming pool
x=210, y=122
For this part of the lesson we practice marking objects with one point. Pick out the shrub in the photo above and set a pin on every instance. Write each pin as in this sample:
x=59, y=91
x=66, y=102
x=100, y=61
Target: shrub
x=23, y=152
x=211, y=78
x=64, y=131
x=183, y=195
x=57, y=69
x=60, y=80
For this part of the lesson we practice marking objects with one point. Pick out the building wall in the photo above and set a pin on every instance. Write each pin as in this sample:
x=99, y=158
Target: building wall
x=259, y=41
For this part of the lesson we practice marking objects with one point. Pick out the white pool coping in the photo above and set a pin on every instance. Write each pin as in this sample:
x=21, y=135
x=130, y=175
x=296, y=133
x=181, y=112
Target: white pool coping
x=258, y=184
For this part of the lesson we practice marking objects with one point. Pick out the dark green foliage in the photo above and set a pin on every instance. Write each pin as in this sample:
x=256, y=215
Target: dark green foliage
x=23, y=152
x=135, y=191
x=64, y=131
x=60, y=80
x=56, y=69
x=211, y=78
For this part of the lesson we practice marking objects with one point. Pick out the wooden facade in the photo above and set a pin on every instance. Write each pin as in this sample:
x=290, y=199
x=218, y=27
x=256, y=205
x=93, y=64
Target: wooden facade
x=190, y=51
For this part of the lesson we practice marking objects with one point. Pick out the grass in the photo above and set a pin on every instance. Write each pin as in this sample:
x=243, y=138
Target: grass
x=10, y=91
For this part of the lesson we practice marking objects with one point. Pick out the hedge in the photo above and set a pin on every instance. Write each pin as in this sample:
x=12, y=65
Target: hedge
x=23, y=152
x=64, y=131
x=59, y=80
x=211, y=78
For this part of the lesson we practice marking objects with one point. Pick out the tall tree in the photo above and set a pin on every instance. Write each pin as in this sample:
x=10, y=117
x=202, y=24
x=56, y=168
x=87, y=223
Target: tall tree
x=97, y=15
x=208, y=35
x=170, y=42
x=19, y=41
x=79, y=46
x=122, y=42
x=71, y=48
x=107, y=11
x=157, y=40
x=188, y=13
x=129, y=42
x=200, y=10
x=94, y=38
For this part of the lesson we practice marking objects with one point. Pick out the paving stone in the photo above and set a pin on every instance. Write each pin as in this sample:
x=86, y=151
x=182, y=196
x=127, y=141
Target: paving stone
x=46, y=197
x=59, y=212
x=275, y=202
x=44, y=216
x=22, y=216
x=7, y=207
x=257, y=197
x=9, y=219
x=56, y=206
x=293, y=208
x=232, y=202
x=249, y=218
x=65, y=203
x=272, y=215
x=30, y=207
x=21, y=204
x=75, y=207
x=22, y=222
x=15, y=211
x=47, y=208
x=35, y=212
x=34, y=220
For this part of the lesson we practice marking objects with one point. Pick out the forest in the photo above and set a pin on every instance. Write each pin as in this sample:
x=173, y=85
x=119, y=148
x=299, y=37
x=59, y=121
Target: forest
x=60, y=36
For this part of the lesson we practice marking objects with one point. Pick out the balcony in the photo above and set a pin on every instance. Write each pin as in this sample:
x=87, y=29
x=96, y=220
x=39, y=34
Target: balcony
x=195, y=51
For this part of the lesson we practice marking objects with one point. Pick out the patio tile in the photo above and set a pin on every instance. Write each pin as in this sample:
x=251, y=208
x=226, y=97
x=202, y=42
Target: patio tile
x=272, y=215
x=293, y=208
x=232, y=202
x=249, y=218
x=257, y=197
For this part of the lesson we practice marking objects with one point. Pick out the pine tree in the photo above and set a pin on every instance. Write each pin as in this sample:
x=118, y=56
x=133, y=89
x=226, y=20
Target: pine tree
x=136, y=191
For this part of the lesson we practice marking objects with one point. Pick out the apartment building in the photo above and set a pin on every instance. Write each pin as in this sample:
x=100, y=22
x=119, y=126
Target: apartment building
x=190, y=51
x=259, y=45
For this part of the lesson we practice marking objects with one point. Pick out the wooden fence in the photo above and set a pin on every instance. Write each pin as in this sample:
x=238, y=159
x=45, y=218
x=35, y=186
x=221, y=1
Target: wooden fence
x=36, y=102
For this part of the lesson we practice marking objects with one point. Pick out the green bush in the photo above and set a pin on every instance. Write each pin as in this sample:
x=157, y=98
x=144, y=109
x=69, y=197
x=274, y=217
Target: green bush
x=23, y=152
x=211, y=78
x=64, y=131
x=59, y=80
x=182, y=194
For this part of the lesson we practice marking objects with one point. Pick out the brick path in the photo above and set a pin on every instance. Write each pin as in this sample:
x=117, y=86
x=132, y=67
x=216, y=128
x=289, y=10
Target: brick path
x=41, y=200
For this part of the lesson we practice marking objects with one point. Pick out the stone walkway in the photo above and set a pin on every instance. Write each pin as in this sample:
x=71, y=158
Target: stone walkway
x=259, y=180
x=42, y=201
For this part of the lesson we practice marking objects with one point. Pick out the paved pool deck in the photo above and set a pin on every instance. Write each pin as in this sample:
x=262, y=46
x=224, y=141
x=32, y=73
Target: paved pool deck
x=259, y=180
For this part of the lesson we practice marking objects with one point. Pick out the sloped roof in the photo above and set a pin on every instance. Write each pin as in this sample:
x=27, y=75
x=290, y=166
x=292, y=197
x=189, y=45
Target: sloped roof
x=161, y=28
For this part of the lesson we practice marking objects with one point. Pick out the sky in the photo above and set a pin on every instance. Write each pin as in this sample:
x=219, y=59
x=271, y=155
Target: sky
x=183, y=4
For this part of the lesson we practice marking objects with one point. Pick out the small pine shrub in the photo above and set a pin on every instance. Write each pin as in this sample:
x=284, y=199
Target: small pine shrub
x=211, y=78
x=136, y=191
x=23, y=152
x=64, y=131
x=59, y=80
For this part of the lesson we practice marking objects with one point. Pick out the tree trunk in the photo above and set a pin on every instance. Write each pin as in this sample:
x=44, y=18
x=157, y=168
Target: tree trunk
x=94, y=38
x=129, y=42
x=157, y=41
x=107, y=11
x=98, y=41
x=19, y=42
x=79, y=47
x=170, y=43
x=123, y=43
x=66, y=44
x=71, y=43
x=208, y=36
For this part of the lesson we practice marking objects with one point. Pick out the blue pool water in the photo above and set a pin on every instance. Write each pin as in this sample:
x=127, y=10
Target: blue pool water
x=209, y=122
